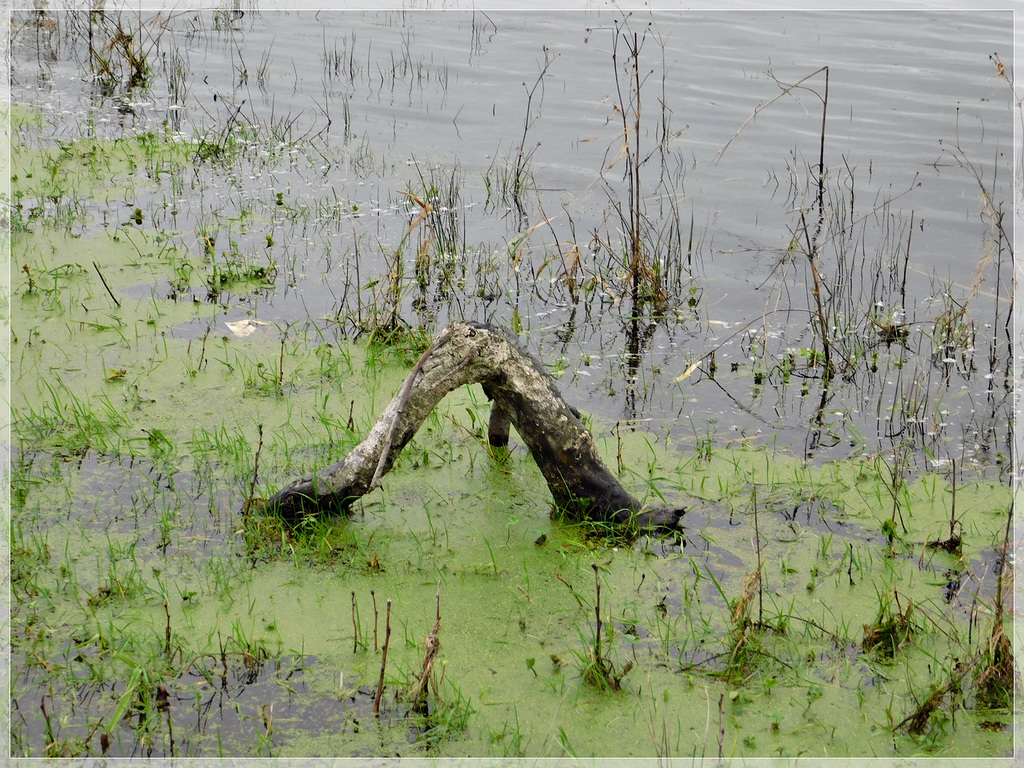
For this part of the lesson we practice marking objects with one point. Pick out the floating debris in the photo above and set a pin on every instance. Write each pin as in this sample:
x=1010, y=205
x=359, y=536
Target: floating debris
x=243, y=328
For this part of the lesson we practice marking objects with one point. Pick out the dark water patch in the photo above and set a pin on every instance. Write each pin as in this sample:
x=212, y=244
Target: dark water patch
x=164, y=510
x=208, y=709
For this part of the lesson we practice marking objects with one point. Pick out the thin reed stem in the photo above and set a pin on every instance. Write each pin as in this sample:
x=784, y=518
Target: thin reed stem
x=383, y=660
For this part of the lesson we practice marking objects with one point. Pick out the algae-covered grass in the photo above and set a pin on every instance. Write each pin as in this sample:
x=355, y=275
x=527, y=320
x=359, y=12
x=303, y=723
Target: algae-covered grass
x=144, y=596
x=198, y=318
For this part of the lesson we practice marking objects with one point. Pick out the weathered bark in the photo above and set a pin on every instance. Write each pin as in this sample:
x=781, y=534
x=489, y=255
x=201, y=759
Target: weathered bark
x=523, y=395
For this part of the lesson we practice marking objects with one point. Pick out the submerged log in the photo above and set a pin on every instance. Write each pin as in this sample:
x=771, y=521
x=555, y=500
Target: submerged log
x=523, y=396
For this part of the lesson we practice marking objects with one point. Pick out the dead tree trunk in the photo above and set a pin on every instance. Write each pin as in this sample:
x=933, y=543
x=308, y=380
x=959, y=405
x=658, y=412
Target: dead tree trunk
x=523, y=396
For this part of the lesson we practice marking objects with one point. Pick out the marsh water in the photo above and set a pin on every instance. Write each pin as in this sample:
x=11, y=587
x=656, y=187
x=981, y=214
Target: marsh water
x=404, y=101
x=234, y=231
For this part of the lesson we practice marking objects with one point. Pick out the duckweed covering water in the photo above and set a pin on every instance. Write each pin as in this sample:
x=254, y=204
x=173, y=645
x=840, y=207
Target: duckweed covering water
x=137, y=577
x=847, y=607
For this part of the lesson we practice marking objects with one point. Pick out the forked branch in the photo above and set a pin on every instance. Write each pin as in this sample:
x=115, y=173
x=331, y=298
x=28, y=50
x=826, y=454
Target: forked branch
x=523, y=395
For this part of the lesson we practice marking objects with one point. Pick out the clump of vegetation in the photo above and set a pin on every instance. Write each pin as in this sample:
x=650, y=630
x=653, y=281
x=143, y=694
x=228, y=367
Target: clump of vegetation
x=441, y=708
x=416, y=692
x=921, y=719
x=234, y=270
x=996, y=677
x=891, y=629
x=740, y=636
x=118, y=52
x=406, y=341
x=598, y=670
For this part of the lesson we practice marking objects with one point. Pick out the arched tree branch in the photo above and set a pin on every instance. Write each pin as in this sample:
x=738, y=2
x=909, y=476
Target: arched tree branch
x=523, y=395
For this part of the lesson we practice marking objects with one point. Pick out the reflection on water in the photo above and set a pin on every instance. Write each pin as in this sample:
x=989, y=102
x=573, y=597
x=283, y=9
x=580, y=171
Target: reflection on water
x=509, y=125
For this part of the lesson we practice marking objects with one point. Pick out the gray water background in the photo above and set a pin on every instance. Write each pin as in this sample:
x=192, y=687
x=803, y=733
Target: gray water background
x=420, y=93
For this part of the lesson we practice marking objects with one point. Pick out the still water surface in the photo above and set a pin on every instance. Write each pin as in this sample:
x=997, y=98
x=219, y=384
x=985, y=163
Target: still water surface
x=369, y=105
